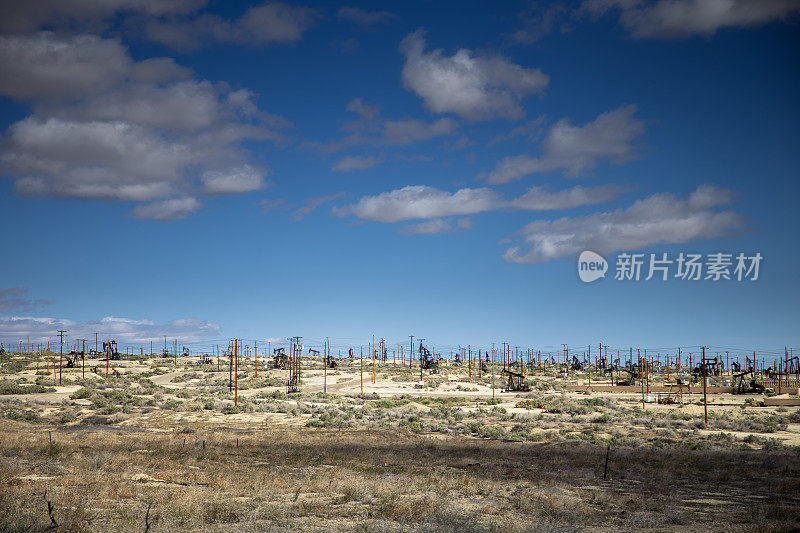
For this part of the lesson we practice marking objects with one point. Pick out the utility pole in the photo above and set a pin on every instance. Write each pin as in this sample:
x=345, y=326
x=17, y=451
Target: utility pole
x=362, y=370
x=236, y=372
x=374, y=354
x=590, y=365
x=95, y=343
x=705, y=396
x=60, y=352
x=325, y=365
x=255, y=357
x=420, y=360
x=411, y=352
x=492, y=371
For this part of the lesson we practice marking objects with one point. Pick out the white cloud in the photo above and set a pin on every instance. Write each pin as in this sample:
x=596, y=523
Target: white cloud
x=660, y=218
x=106, y=127
x=420, y=201
x=261, y=25
x=364, y=18
x=44, y=66
x=540, y=199
x=172, y=209
x=577, y=149
x=684, y=18
x=233, y=181
x=437, y=225
x=424, y=202
x=19, y=17
x=355, y=162
x=123, y=330
x=471, y=86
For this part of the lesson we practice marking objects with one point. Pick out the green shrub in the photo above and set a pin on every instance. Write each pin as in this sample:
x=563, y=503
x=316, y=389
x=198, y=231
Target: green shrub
x=10, y=387
x=23, y=415
x=82, y=394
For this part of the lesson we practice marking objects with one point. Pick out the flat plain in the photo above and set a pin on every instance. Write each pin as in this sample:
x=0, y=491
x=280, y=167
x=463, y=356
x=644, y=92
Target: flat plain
x=169, y=444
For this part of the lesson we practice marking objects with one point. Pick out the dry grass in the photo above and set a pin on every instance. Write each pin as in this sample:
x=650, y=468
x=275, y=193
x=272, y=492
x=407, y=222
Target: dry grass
x=371, y=480
x=428, y=461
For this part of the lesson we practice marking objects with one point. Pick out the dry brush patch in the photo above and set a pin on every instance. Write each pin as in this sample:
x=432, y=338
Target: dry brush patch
x=375, y=480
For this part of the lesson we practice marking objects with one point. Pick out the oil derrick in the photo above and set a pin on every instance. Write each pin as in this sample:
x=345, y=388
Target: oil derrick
x=514, y=377
x=279, y=359
x=427, y=360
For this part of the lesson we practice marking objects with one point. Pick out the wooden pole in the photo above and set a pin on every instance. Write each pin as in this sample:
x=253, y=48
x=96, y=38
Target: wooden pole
x=362, y=370
x=325, y=367
x=60, y=352
x=236, y=372
x=705, y=396
x=590, y=365
x=492, y=371
x=641, y=376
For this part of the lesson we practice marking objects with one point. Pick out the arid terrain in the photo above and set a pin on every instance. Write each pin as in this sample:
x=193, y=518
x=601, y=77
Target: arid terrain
x=164, y=444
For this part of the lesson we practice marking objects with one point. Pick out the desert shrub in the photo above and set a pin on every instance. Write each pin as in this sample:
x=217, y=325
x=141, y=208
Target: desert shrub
x=68, y=416
x=81, y=393
x=23, y=415
x=173, y=404
x=10, y=387
x=231, y=409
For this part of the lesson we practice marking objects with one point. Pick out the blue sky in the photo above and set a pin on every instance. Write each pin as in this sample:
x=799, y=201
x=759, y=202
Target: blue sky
x=209, y=170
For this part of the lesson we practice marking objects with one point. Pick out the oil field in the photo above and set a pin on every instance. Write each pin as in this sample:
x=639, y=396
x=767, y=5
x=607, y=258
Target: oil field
x=416, y=267
x=373, y=439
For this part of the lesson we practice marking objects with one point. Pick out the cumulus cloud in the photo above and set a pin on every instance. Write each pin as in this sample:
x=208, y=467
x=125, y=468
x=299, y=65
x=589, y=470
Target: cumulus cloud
x=472, y=86
x=577, y=149
x=541, y=199
x=660, y=218
x=124, y=330
x=261, y=25
x=237, y=180
x=16, y=299
x=21, y=17
x=437, y=225
x=364, y=18
x=44, y=66
x=107, y=127
x=420, y=201
x=684, y=18
x=172, y=209
x=355, y=162
x=424, y=202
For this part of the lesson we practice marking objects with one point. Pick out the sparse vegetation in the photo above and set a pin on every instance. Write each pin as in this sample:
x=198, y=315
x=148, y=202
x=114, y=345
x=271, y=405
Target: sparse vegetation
x=444, y=457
